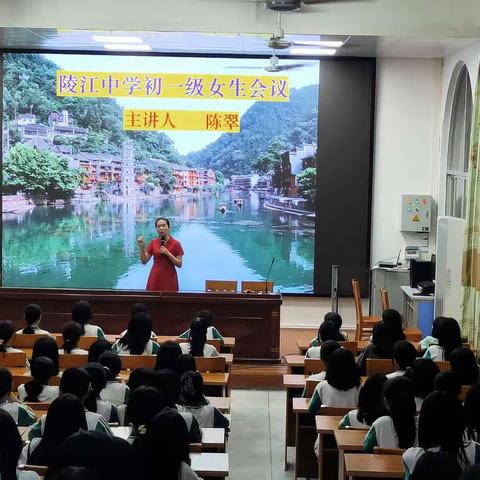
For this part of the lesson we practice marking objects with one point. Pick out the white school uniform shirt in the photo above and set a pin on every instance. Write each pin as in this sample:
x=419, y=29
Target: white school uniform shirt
x=325, y=394
x=36, y=331
x=107, y=410
x=28, y=449
x=351, y=420
x=151, y=348
x=382, y=433
x=48, y=395
x=418, y=403
x=398, y=373
x=20, y=413
x=26, y=475
x=212, y=334
x=186, y=473
x=93, y=331
x=207, y=415
x=121, y=409
x=75, y=351
x=208, y=350
x=115, y=392
x=313, y=352
x=10, y=349
x=435, y=353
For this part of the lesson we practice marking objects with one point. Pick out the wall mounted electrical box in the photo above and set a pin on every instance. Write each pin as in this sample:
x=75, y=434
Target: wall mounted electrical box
x=416, y=213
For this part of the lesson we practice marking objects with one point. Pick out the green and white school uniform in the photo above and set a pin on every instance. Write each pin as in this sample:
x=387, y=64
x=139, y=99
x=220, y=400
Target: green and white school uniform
x=193, y=427
x=351, y=420
x=153, y=335
x=212, y=334
x=325, y=394
x=382, y=434
x=36, y=331
x=418, y=403
x=208, y=416
x=95, y=423
x=93, y=331
x=186, y=473
x=75, y=351
x=427, y=342
x=115, y=392
x=208, y=350
x=27, y=450
x=412, y=455
x=121, y=409
x=151, y=348
x=20, y=413
x=27, y=475
x=313, y=352
x=398, y=373
x=435, y=353
x=107, y=410
x=319, y=377
x=48, y=395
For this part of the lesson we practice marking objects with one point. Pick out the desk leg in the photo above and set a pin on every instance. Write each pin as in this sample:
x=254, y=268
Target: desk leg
x=285, y=463
x=405, y=309
x=321, y=443
x=341, y=465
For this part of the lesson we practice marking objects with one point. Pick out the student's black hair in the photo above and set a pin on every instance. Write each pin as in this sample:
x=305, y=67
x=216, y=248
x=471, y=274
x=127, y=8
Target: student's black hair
x=185, y=363
x=32, y=314
x=65, y=417
x=436, y=326
x=393, y=319
x=191, y=389
x=71, y=334
x=137, y=308
x=46, y=347
x=168, y=383
x=7, y=330
x=400, y=404
x=442, y=424
x=140, y=377
x=112, y=364
x=464, y=364
x=143, y=405
x=370, y=399
x=75, y=381
x=383, y=338
x=342, y=371
x=472, y=412
x=10, y=446
x=404, y=354
x=207, y=317
x=198, y=337
x=436, y=465
x=335, y=318
x=329, y=331
x=167, y=221
x=326, y=350
x=138, y=333
x=42, y=370
x=97, y=348
x=449, y=336
x=74, y=473
x=82, y=313
x=167, y=355
x=422, y=376
x=448, y=382
x=98, y=381
x=5, y=383
x=165, y=443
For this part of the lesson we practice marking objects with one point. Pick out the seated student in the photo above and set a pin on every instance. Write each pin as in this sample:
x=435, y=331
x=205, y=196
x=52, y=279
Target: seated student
x=396, y=429
x=326, y=332
x=97, y=348
x=140, y=308
x=75, y=381
x=93, y=402
x=332, y=334
x=404, y=354
x=192, y=399
x=65, y=417
x=38, y=390
x=33, y=316
x=10, y=449
x=23, y=416
x=422, y=375
x=393, y=319
x=167, y=355
x=46, y=347
x=115, y=391
x=212, y=332
x=82, y=314
x=464, y=364
x=342, y=383
x=433, y=338
x=472, y=413
x=7, y=331
x=449, y=338
x=370, y=404
x=436, y=465
x=441, y=428
x=383, y=339
x=71, y=334
x=197, y=345
x=165, y=443
x=136, y=340
x=448, y=382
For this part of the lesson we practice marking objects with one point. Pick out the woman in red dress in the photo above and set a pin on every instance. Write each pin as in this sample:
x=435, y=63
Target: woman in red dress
x=167, y=254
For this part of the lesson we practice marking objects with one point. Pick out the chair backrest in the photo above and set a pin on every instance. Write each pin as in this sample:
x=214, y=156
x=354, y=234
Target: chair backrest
x=358, y=309
x=210, y=364
x=221, y=285
x=13, y=359
x=310, y=386
x=314, y=365
x=334, y=411
x=26, y=340
x=83, y=342
x=70, y=360
x=384, y=297
x=195, y=448
x=463, y=393
x=131, y=362
x=380, y=365
x=40, y=469
x=388, y=451
x=257, y=287
x=444, y=366
x=351, y=346
x=38, y=406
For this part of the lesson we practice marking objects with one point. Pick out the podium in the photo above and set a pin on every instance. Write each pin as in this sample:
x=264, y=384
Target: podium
x=391, y=279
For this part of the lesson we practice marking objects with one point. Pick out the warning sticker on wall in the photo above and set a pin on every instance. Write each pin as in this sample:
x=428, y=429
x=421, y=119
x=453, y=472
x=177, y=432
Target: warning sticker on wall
x=416, y=218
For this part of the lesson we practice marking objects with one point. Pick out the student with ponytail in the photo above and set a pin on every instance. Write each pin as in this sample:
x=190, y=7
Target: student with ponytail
x=7, y=331
x=93, y=402
x=198, y=346
x=404, y=354
x=71, y=335
x=82, y=314
x=32, y=315
x=38, y=390
x=449, y=338
x=115, y=392
x=46, y=347
x=137, y=340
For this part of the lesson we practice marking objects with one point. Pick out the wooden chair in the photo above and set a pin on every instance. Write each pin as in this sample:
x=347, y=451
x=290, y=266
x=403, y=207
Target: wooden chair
x=313, y=365
x=257, y=287
x=131, y=362
x=384, y=297
x=388, y=451
x=38, y=406
x=364, y=325
x=13, y=359
x=444, y=366
x=351, y=346
x=310, y=386
x=334, y=411
x=221, y=286
x=25, y=340
x=380, y=365
x=40, y=469
x=70, y=360
x=210, y=364
x=463, y=393
x=84, y=342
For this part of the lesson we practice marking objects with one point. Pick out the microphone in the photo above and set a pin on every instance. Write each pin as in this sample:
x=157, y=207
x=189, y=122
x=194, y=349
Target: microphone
x=268, y=275
x=162, y=241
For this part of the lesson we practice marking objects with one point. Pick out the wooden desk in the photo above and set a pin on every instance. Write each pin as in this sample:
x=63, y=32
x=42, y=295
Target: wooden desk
x=306, y=464
x=325, y=426
x=295, y=364
x=222, y=403
x=210, y=464
x=372, y=465
x=348, y=441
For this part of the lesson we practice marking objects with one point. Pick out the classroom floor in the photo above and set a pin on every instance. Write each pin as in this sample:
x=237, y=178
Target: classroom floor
x=257, y=438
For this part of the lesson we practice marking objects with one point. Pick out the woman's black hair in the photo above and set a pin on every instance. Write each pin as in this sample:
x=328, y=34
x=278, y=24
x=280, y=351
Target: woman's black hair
x=137, y=308
x=326, y=350
x=112, y=364
x=185, y=363
x=65, y=417
x=167, y=382
x=442, y=424
x=74, y=473
x=46, y=347
x=165, y=443
x=383, y=338
x=436, y=326
x=98, y=381
x=140, y=377
x=7, y=330
x=448, y=382
x=335, y=318
x=143, y=405
x=75, y=381
x=370, y=399
x=472, y=412
x=422, y=376
x=449, y=336
x=82, y=313
x=464, y=364
x=400, y=404
x=191, y=389
x=42, y=370
x=404, y=354
x=393, y=319
x=97, y=348
x=5, y=383
x=167, y=355
x=329, y=331
x=198, y=337
x=206, y=315
x=436, y=465
x=167, y=221
x=71, y=334
x=342, y=371
x=10, y=446
x=138, y=333
x=32, y=314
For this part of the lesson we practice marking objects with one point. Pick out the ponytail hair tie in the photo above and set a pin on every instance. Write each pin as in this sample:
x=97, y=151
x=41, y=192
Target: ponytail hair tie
x=142, y=429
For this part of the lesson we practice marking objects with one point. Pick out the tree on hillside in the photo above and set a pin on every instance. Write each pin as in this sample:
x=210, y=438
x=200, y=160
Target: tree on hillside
x=267, y=161
x=307, y=184
x=163, y=177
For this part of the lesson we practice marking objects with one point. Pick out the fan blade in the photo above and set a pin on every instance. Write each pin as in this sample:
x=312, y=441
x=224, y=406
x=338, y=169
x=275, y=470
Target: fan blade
x=291, y=66
x=324, y=2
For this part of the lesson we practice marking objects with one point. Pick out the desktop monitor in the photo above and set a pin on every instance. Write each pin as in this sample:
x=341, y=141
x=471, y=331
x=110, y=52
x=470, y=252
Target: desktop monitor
x=421, y=271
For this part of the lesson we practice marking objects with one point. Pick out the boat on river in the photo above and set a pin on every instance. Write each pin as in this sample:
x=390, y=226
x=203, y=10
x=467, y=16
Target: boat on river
x=291, y=205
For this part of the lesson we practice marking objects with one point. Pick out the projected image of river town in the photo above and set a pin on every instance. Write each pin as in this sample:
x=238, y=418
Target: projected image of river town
x=96, y=147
